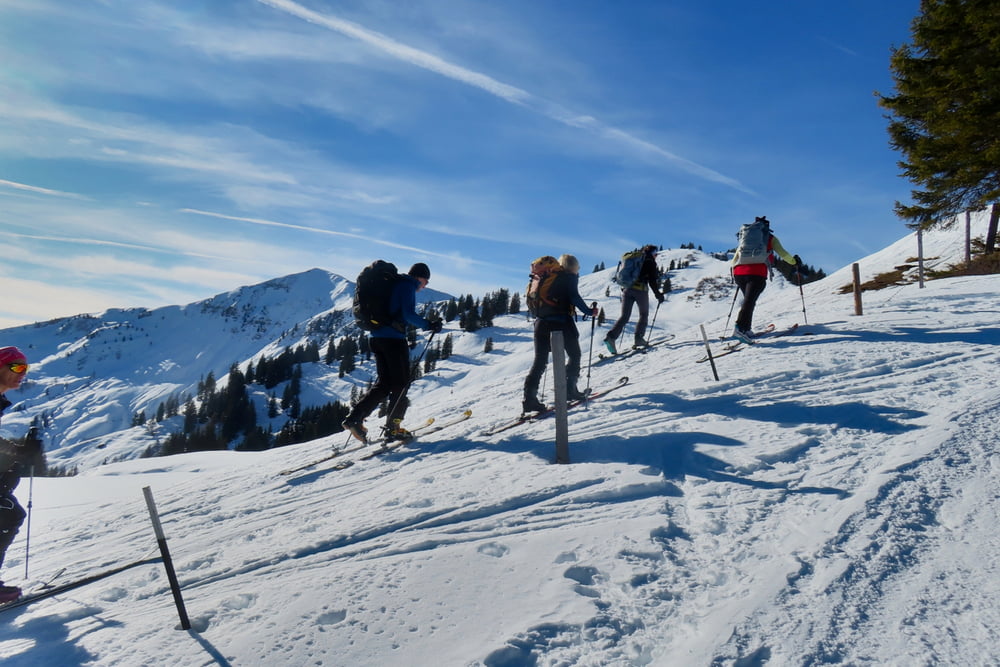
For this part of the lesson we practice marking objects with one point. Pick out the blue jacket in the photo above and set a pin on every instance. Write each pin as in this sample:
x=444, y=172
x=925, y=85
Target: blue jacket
x=402, y=307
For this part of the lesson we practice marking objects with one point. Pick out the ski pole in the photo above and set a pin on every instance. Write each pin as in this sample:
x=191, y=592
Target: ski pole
x=27, y=531
x=653, y=321
x=733, y=305
x=590, y=356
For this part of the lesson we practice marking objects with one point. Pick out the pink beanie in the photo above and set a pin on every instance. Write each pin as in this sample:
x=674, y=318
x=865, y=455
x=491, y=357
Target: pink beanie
x=9, y=355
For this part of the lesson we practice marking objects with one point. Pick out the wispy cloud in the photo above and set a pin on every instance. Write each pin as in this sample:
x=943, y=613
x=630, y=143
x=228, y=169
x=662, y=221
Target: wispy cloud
x=838, y=46
x=316, y=230
x=39, y=190
x=79, y=241
x=509, y=93
x=127, y=139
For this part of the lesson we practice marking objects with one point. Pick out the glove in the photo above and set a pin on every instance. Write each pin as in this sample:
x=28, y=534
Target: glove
x=436, y=326
x=798, y=261
x=660, y=298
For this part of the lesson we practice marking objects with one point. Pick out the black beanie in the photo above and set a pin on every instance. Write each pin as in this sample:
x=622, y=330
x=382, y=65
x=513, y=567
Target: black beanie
x=420, y=270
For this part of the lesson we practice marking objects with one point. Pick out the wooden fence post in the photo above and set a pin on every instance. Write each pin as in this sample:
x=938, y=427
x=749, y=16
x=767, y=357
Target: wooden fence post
x=856, y=268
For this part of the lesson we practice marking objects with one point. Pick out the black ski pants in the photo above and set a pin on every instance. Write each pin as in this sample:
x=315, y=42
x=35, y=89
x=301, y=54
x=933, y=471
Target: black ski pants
x=392, y=363
x=751, y=286
x=11, y=517
x=543, y=346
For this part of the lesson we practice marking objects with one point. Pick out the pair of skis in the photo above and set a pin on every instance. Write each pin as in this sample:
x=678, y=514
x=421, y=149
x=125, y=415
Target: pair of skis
x=382, y=444
x=548, y=412
x=603, y=358
x=387, y=446
x=736, y=346
x=47, y=590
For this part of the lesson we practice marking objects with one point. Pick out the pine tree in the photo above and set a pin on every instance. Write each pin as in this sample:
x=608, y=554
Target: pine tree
x=945, y=113
x=515, y=304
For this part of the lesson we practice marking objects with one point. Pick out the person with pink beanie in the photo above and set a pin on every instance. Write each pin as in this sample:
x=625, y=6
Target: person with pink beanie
x=13, y=368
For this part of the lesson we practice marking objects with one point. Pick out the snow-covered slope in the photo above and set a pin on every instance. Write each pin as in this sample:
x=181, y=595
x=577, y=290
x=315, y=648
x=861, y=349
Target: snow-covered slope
x=832, y=499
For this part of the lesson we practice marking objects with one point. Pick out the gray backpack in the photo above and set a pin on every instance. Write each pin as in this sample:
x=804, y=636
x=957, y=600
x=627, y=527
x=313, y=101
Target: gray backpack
x=752, y=242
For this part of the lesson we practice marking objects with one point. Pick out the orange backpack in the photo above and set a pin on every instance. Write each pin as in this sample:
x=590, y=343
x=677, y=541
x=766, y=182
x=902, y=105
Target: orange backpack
x=539, y=297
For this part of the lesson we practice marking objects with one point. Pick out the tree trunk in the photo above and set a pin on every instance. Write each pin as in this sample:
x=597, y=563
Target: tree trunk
x=991, y=233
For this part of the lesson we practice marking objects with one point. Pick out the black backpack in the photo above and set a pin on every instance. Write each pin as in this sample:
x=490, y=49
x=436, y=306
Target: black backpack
x=372, y=293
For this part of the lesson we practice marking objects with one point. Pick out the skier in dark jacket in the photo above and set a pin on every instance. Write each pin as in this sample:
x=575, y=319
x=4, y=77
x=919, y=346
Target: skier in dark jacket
x=392, y=358
x=637, y=295
x=13, y=367
x=565, y=291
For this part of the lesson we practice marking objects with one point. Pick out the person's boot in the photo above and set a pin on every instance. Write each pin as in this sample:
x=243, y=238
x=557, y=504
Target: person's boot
x=9, y=593
x=532, y=404
x=610, y=344
x=572, y=393
x=398, y=434
x=744, y=336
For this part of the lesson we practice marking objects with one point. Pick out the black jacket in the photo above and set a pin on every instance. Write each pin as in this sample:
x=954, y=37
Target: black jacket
x=565, y=291
x=650, y=275
x=11, y=458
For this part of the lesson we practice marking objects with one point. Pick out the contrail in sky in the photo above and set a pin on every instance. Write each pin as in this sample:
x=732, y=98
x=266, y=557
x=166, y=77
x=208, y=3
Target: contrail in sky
x=511, y=94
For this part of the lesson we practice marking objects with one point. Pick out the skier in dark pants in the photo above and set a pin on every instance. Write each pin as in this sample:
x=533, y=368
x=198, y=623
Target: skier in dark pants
x=392, y=359
x=13, y=367
x=637, y=295
x=751, y=279
x=565, y=292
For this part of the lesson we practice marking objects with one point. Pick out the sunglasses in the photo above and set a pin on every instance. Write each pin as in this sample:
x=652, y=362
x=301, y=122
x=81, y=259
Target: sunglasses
x=19, y=368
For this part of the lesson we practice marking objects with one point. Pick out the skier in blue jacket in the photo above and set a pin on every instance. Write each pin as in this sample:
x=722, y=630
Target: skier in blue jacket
x=392, y=358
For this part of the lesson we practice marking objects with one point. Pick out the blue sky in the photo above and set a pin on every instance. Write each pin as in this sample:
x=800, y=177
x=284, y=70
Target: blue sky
x=156, y=153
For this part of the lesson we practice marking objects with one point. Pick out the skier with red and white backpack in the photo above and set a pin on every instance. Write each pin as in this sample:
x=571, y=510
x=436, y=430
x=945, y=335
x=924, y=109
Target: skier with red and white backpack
x=751, y=266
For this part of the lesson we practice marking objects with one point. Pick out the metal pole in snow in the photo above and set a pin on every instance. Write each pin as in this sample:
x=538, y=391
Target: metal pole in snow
x=161, y=540
x=559, y=380
x=27, y=533
x=708, y=349
x=920, y=256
